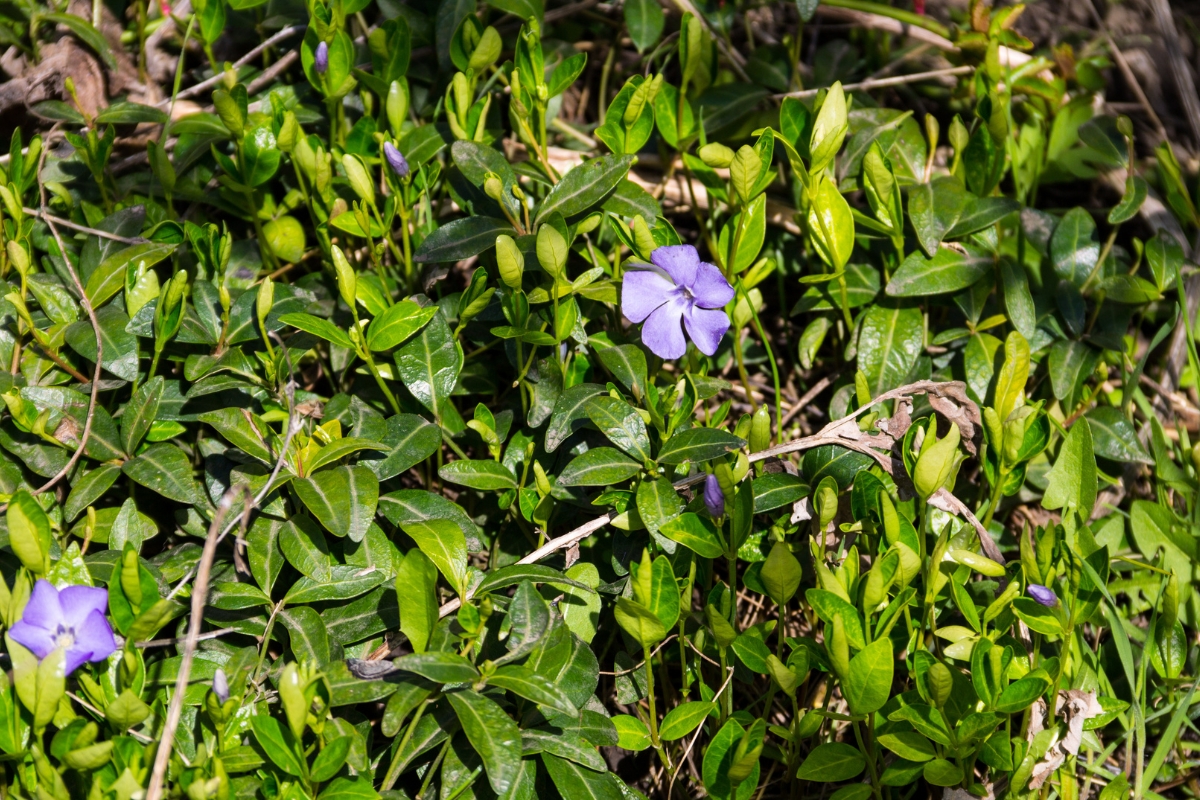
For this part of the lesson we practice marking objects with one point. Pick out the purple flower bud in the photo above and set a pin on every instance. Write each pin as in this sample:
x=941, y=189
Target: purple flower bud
x=714, y=498
x=321, y=58
x=1042, y=595
x=220, y=685
x=395, y=159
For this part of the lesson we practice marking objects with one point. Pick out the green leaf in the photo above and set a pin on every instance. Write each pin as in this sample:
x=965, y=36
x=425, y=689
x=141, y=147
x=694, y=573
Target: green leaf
x=600, y=466
x=934, y=209
x=493, y=734
x=1072, y=479
x=909, y=745
x=627, y=363
x=339, y=449
x=584, y=186
x=579, y=783
x=330, y=760
x=416, y=593
x=482, y=475
x=683, y=719
x=639, y=622
x=1074, y=247
x=461, y=239
x=570, y=413
x=318, y=326
x=120, y=356
x=127, y=113
x=718, y=759
x=694, y=532
x=397, y=324
x=950, y=270
x=698, y=444
x=870, y=682
x=443, y=541
x=408, y=440
x=515, y=573
x=533, y=686
x=109, y=276
x=438, y=666
x=140, y=413
x=429, y=365
x=307, y=634
x=889, y=341
x=1113, y=436
x=343, y=499
x=1071, y=363
x=244, y=431
x=622, y=424
x=86, y=33
x=832, y=762
x=570, y=746
x=1021, y=694
x=345, y=582
x=941, y=772
x=165, y=469
x=277, y=743
x=645, y=20
x=775, y=490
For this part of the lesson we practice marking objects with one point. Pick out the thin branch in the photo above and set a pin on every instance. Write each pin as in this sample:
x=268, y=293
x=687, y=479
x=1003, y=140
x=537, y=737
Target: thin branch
x=199, y=596
x=1127, y=72
x=66, y=223
x=219, y=78
x=881, y=83
x=642, y=663
x=182, y=639
x=91, y=312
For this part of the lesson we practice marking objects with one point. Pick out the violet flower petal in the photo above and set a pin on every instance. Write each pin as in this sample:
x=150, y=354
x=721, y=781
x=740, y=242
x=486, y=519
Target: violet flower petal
x=662, y=332
x=78, y=603
x=642, y=291
x=706, y=327
x=710, y=288
x=43, y=609
x=74, y=658
x=94, y=637
x=1042, y=595
x=34, y=638
x=714, y=498
x=681, y=261
x=321, y=58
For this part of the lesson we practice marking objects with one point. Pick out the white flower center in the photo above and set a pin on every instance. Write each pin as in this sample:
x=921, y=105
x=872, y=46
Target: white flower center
x=65, y=637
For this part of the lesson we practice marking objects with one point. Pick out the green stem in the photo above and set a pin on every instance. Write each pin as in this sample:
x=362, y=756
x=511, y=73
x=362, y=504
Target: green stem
x=393, y=773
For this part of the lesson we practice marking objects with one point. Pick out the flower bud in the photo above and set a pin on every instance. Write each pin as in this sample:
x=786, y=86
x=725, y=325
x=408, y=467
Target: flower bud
x=265, y=299
x=510, y=261
x=760, y=429
x=936, y=464
x=1042, y=595
x=493, y=187
x=360, y=181
x=716, y=155
x=714, y=498
x=220, y=685
x=397, y=105
x=395, y=159
x=321, y=58
x=347, y=281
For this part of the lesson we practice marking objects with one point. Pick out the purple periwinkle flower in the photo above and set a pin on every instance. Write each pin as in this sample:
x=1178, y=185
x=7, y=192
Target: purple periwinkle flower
x=220, y=685
x=395, y=159
x=677, y=286
x=72, y=620
x=1042, y=595
x=321, y=58
x=714, y=498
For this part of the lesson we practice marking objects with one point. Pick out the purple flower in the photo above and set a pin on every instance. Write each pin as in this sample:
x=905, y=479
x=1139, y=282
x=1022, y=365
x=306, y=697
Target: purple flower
x=395, y=159
x=714, y=498
x=220, y=685
x=72, y=619
x=1042, y=595
x=321, y=58
x=677, y=286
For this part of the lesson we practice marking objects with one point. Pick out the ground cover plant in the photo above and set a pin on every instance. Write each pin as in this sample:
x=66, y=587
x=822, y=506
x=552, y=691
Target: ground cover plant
x=741, y=400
